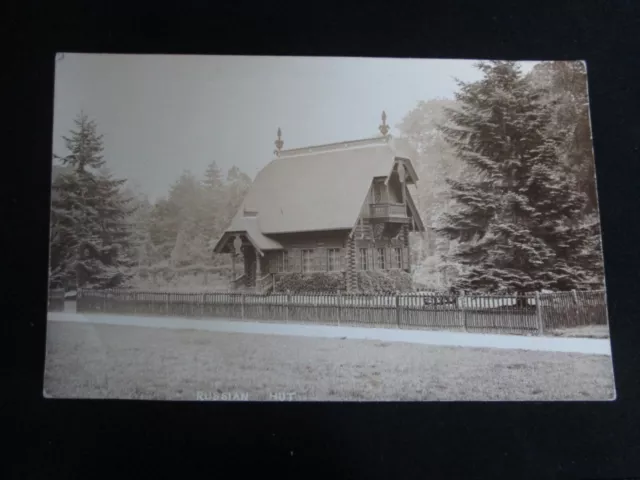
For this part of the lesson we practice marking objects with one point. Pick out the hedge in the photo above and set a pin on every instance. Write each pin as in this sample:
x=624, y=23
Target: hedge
x=312, y=282
x=389, y=281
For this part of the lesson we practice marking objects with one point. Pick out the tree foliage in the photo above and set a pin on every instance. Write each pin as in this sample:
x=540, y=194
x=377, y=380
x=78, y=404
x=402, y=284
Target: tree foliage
x=520, y=219
x=565, y=84
x=435, y=162
x=90, y=244
x=185, y=224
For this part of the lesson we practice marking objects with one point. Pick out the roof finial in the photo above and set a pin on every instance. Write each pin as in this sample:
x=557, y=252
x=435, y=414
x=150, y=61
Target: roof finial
x=384, y=128
x=278, y=143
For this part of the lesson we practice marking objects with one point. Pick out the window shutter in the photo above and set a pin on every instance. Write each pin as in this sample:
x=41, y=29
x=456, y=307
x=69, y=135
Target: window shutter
x=371, y=258
x=342, y=259
x=405, y=258
x=387, y=258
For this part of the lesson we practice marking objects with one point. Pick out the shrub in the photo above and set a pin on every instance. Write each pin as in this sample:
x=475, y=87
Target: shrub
x=311, y=283
x=371, y=281
x=390, y=281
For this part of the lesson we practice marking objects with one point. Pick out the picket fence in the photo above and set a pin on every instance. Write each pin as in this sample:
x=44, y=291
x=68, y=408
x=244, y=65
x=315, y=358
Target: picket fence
x=528, y=314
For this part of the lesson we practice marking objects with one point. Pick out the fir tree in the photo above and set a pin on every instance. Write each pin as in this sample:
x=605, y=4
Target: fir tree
x=213, y=177
x=89, y=215
x=213, y=197
x=238, y=184
x=518, y=219
x=164, y=226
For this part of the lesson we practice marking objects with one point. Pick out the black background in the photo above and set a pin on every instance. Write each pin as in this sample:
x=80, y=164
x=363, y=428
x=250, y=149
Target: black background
x=55, y=438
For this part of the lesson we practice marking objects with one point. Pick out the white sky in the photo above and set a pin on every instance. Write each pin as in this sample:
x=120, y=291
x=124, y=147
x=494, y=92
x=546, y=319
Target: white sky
x=162, y=114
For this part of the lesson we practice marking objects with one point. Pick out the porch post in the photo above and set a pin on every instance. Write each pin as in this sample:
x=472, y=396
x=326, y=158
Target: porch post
x=405, y=242
x=233, y=266
x=258, y=266
x=247, y=267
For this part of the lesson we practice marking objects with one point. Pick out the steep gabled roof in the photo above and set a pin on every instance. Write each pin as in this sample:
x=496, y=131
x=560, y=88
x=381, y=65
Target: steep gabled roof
x=318, y=188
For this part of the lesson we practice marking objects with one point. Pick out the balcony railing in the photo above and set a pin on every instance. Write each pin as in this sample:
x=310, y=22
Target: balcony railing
x=387, y=210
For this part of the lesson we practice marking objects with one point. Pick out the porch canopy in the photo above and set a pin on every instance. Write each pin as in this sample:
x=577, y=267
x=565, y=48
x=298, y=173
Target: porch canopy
x=247, y=229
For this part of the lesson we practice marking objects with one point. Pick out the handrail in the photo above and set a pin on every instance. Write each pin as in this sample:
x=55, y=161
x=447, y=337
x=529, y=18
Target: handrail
x=263, y=282
x=238, y=281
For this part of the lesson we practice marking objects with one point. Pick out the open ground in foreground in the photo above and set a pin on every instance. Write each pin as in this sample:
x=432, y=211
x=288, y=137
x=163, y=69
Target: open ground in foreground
x=124, y=362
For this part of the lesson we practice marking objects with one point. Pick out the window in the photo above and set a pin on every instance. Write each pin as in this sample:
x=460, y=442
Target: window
x=363, y=259
x=281, y=261
x=333, y=259
x=380, y=258
x=397, y=256
x=307, y=261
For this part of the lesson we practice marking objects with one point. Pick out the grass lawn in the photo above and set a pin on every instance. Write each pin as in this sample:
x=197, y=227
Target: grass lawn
x=588, y=331
x=108, y=361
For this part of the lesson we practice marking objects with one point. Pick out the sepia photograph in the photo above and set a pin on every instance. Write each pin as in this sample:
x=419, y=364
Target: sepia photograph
x=254, y=228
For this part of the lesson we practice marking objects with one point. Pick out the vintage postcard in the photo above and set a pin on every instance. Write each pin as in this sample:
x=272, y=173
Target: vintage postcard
x=236, y=228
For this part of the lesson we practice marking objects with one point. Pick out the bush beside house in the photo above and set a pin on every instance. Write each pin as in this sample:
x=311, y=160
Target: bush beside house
x=368, y=282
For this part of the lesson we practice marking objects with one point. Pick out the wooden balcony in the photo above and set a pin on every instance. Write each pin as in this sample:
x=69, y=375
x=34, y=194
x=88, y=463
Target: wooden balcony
x=389, y=212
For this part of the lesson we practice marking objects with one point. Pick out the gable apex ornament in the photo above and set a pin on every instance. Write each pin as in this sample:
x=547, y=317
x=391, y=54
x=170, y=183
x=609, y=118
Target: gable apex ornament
x=279, y=143
x=384, y=128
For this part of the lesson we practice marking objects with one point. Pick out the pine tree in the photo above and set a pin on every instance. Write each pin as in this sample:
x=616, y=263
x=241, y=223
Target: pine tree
x=214, y=197
x=180, y=211
x=89, y=215
x=164, y=226
x=518, y=219
x=142, y=249
x=213, y=177
x=238, y=184
x=180, y=253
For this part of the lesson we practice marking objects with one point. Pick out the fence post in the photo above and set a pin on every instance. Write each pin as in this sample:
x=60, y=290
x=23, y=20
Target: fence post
x=166, y=303
x=339, y=306
x=539, y=315
x=286, y=310
x=397, y=301
x=242, y=305
x=574, y=294
x=463, y=311
x=202, y=305
x=315, y=307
